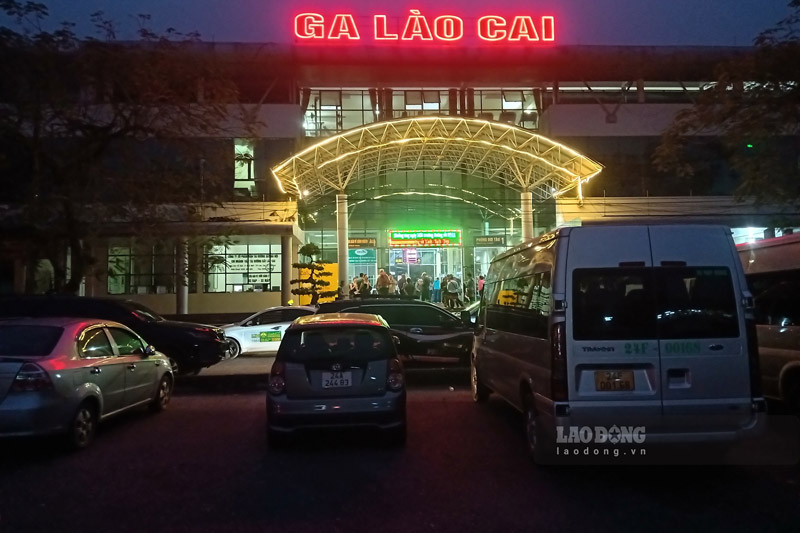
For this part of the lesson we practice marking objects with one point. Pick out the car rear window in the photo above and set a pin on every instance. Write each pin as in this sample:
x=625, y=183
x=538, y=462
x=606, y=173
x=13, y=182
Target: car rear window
x=654, y=303
x=28, y=341
x=359, y=344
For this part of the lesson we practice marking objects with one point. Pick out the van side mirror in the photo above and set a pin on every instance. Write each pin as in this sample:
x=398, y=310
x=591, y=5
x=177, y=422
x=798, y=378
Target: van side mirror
x=396, y=340
x=466, y=319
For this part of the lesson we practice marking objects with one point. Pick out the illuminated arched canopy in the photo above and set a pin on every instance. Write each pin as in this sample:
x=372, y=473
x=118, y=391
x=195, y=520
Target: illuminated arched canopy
x=513, y=157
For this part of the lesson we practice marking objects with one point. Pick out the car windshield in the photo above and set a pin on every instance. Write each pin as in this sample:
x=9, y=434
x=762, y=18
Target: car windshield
x=359, y=344
x=28, y=341
x=143, y=313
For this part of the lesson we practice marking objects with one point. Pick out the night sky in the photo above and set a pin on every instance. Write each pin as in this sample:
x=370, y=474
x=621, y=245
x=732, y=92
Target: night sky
x=586, y=22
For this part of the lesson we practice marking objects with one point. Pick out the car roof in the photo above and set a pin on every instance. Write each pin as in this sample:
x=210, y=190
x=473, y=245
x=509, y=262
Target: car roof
x=281, y=307
x=60, y=321
x=372, y=301
x=338, y=320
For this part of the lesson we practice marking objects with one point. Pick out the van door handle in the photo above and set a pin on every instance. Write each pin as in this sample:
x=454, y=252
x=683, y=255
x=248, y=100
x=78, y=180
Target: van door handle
x=715, y=347
x=415, y=330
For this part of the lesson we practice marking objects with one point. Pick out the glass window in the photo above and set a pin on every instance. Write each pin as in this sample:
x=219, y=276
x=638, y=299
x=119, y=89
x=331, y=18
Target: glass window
x=94, y=343
x=141, y=268
x=357, y=344
x=779, y=305
x=24, y=341
x=127, y=343
x=291, y=314
x=267, y=317
x=240, y=268
x=521, y=305
x=650, y=303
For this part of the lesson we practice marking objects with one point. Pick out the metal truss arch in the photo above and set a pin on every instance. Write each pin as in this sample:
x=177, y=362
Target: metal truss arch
x=508, y=155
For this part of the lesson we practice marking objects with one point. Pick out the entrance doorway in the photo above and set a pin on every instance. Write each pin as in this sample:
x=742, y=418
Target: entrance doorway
x=436, y=262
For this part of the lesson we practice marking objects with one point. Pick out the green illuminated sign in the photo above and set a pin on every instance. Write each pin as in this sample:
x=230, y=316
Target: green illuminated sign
x=429, y=238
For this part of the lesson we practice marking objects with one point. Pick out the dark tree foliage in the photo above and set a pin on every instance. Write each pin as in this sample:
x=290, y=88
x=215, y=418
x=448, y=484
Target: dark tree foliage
x=752, y=114
x=100, y=136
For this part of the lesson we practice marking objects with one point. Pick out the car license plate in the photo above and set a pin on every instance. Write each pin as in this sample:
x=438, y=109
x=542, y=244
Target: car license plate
x=613, y=380
x=336, y=380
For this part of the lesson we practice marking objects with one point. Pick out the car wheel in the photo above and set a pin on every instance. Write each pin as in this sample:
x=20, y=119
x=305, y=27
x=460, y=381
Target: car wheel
x=176, y=369
x=163, y=395
x=234, y=349
x=539, y=449
x=480, y=392
x=83, y=426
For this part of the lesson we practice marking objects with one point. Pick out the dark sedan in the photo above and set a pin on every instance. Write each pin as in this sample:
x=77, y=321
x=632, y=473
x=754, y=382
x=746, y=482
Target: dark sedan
x=429, y=335
x=190, y=347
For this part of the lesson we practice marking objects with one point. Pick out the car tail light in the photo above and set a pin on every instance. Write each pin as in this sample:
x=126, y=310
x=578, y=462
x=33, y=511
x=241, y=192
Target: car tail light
x=752, y=358
x=558, y=362
x=31, y=378
x=277, y=378
x=395, y=381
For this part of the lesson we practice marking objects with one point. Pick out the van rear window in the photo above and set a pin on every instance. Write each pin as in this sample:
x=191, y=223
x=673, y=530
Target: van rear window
x=654, y=303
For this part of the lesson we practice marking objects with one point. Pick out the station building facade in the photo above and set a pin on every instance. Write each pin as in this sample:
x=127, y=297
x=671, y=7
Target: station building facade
x=426, y=159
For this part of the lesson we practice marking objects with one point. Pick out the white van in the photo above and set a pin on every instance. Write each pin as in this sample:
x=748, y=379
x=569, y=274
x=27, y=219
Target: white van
x=621, y=334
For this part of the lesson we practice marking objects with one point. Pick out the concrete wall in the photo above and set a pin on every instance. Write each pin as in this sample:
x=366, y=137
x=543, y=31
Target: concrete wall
x=594, y=120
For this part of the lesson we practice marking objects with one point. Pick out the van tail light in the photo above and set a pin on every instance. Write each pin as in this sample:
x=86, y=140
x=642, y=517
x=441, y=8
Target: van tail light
x=277, y=378
x=752, y=359
x=558, y=362
x=31, y=378
x=395, y=381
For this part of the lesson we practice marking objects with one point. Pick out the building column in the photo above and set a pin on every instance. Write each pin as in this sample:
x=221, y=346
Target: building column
x=342, y=231
x=526, y=206
x=286, y=269
x=182, y=276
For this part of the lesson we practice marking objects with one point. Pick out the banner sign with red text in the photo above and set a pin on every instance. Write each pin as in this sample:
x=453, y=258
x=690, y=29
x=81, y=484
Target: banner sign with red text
x=418, y=28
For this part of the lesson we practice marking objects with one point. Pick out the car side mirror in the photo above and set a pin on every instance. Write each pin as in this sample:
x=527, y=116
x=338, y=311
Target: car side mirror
x=396, y=340
x=466, y=319
x=150, y=350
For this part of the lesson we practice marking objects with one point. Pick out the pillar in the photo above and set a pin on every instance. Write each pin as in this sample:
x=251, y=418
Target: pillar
x=526, y=206
x=286, y=269
x=342, y=230
x=182, y=276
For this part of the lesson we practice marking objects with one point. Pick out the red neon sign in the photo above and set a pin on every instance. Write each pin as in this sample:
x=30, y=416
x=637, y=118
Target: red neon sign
x=419, y=28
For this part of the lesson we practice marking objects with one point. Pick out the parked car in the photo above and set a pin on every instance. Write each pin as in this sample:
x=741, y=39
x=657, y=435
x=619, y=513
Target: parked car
x=337, y=370
x=262, y=332
x=633, y=327
x=65, y=375
x=430, y=336
x=190, y=347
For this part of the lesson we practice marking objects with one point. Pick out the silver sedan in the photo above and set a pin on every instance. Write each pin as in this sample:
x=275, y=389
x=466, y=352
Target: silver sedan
x=65, y=375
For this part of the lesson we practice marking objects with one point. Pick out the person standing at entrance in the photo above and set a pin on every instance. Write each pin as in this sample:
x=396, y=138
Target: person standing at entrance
x=437, y=291
x=452, y=289
x=425, y=294
x=480, y=286
x=382, y=283
x=469, y=289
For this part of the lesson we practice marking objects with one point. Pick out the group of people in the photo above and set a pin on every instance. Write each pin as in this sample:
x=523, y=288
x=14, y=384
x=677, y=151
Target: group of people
x=447, y=290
